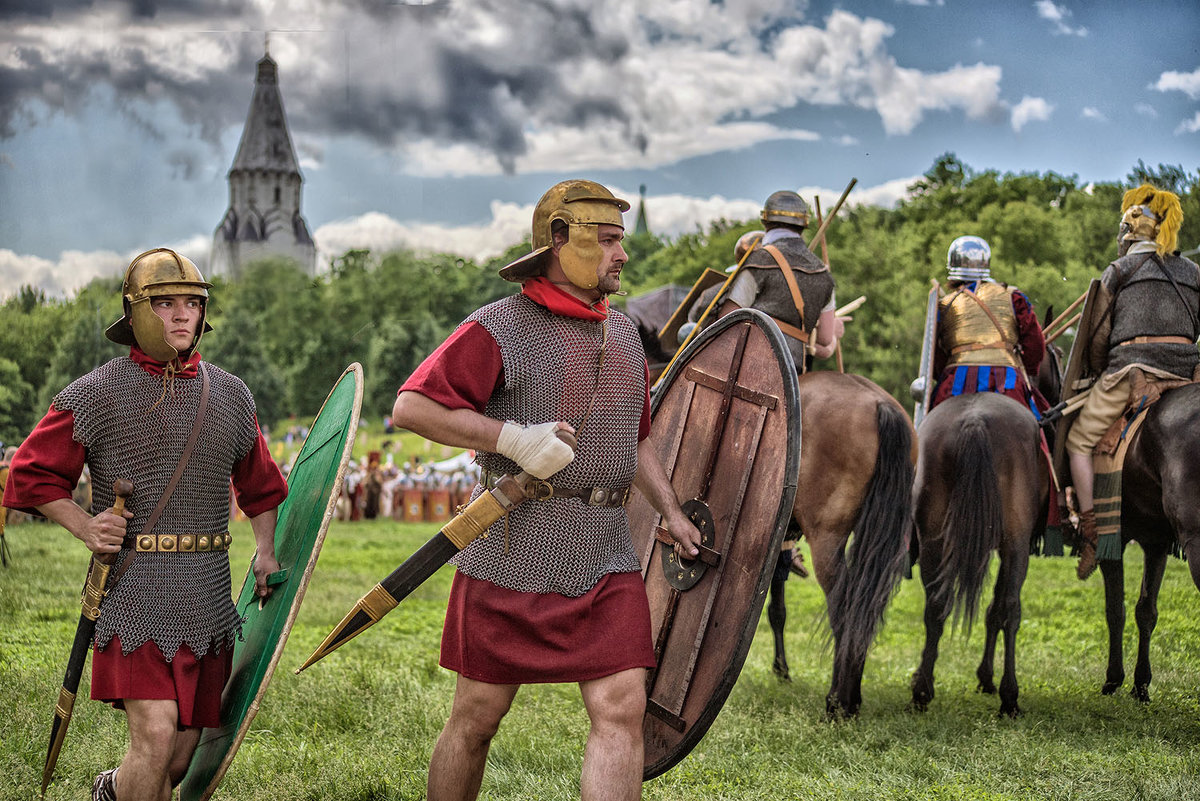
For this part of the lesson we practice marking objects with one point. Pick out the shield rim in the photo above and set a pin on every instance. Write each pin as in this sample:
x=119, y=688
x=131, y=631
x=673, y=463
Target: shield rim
x=330, y=508
x=928, y=349
x=1073, y=371
x=791, y=402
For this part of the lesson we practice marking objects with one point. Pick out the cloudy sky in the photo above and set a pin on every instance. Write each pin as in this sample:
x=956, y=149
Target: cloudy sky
x=438, y=123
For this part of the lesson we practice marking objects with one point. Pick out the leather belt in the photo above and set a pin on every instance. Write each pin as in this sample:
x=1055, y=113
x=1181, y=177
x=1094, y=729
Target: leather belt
x=178, y=543
x=541, y=490
x=1151, y=339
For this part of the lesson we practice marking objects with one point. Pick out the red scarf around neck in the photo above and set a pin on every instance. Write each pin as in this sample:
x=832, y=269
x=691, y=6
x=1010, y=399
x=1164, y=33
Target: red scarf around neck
x=541, y=291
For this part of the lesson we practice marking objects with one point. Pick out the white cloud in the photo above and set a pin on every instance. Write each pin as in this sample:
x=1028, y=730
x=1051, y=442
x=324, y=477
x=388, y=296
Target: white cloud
x=1189, y=126
x=1049, y=10
x=1090, y=113
x=1146, y=110
x=920, y=2
x=1030, y=109
x=846, y=140
x=1186, y=82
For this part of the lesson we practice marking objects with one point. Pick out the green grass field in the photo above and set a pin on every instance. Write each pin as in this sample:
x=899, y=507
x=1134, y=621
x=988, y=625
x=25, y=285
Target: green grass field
x=359, y=726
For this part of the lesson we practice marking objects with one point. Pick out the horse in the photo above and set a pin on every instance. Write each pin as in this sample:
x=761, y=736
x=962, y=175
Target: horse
x=856, y=470
x=1159, y=511
x=982, y=485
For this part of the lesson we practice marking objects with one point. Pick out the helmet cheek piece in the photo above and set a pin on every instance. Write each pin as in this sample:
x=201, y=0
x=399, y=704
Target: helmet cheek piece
x=150, y=331
x=581, y=254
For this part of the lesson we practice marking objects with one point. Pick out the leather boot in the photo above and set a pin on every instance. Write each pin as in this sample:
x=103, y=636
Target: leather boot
x=1087, y=544
x=797, y=566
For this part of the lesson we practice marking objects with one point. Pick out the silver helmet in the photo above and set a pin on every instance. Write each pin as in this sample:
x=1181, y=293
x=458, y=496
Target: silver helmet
x=969, y=259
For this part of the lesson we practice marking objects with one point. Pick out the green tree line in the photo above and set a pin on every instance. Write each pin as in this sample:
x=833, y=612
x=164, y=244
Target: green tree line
x=289, y=335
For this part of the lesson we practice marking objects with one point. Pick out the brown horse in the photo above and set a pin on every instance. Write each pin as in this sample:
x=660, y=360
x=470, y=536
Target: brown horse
x=981, y=486
x=1159, y=510
x=856, y=471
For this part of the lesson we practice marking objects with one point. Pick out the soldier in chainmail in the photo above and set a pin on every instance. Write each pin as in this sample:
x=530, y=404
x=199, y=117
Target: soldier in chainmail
x=1144, y=340
x=164, y=637
x=553, y=592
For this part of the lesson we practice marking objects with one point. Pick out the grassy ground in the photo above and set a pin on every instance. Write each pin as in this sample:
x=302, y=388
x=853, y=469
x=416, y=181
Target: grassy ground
x=360, y=724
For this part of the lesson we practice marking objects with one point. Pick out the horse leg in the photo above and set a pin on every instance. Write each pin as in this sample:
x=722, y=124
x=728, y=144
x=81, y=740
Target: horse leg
x=777, y=615
x=1114, y=615
x=829, y=567
x=936, y=609
x=986, y=670
x=1013, y=567
x=1146, y=615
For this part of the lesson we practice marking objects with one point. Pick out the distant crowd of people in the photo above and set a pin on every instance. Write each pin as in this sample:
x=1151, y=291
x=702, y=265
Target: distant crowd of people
x=413, y=491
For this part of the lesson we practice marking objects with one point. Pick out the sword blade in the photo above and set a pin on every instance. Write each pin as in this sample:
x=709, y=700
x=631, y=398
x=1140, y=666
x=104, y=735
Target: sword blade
x=456, y=535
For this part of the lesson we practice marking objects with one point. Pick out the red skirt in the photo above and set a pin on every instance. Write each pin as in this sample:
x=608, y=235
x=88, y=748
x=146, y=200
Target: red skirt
x=502, y=636
x=194, y=684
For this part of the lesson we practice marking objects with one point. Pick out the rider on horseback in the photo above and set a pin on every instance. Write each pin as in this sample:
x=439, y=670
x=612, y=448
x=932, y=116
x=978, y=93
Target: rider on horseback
x=989, y=339
x=1143, y=343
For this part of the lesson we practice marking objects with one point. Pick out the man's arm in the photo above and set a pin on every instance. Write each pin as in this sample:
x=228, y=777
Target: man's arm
x=458, y=428
x=265, y=562
x=651, y=480
x=101, y=533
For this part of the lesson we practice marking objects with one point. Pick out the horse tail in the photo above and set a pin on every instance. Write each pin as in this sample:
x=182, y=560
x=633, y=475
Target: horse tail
x=878, y=553
x=973, y=526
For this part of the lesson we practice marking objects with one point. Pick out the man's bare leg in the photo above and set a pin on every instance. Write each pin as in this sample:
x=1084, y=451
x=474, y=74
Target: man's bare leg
x=1082, y=478
x=612, y=760
x=456, y=767
x=144, y=774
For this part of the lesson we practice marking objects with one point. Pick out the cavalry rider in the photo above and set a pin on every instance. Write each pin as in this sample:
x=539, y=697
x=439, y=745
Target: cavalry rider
x=786, y=280
x=553, y=592
x=163, y=646
x=989, y=339
x=1143, y=343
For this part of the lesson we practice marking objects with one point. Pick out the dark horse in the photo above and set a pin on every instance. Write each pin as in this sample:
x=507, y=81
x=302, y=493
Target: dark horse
x=982, y=485
x=1159, y=509
x=856, y=471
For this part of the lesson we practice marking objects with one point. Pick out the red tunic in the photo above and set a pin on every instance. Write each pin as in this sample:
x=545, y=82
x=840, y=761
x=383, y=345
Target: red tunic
x=500, y=636
x=47, y=467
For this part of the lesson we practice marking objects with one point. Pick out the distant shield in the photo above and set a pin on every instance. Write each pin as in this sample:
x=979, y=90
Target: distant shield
x=923, y=392
x=668, y=335
x=726, y=425
x=314, y=483
x=1076, y=378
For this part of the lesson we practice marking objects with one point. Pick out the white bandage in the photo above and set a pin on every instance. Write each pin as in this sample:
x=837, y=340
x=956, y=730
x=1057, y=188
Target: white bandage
x=537, y=449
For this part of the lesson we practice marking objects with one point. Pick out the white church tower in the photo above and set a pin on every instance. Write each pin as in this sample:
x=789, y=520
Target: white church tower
x=263, y=218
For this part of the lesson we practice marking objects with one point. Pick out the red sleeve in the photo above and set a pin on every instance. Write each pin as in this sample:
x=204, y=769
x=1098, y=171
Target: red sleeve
x=463, y=372
x=257, y=482
x=644, y=423
x=1030, y=338
x=47, y=465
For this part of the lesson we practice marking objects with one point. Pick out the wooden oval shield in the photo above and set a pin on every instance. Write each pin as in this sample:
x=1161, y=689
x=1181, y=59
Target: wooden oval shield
x=727, y=429
x=314, y=483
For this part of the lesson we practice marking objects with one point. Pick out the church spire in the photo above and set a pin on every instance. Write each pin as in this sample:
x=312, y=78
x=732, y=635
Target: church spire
x=264, y=217
x=642, y=226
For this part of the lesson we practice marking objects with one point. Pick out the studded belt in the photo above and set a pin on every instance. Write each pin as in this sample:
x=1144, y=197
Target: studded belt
x=178, y=543
x=540, y=490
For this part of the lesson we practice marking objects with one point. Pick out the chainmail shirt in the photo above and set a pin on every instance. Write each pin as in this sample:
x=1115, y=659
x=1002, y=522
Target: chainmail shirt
x=167, y=598
x=551, y=363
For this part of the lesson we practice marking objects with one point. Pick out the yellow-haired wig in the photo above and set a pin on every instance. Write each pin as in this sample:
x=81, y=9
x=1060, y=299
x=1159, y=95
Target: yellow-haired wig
x=1165, y=206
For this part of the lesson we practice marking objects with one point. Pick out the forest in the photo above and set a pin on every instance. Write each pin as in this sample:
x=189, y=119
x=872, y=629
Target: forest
x=289, y=335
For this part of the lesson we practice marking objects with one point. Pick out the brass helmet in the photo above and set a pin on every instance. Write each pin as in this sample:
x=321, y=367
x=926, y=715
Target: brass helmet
x=746, y=242
x=969, y=259
x=1149, y=214
x=785, y=207
x=582, y=206
x=153, y=274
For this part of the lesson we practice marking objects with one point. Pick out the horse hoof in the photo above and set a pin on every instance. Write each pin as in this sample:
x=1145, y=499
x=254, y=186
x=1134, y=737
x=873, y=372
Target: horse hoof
x=986, y=687
x=1110, y=687
x=1141, y=693
x=1012, y=712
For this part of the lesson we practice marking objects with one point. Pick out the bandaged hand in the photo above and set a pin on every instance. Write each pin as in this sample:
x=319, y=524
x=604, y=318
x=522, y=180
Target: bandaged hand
x=536, y=448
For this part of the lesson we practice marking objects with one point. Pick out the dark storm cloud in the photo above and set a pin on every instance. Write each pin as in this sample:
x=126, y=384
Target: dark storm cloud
x=138, y=9
x=406, y=75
